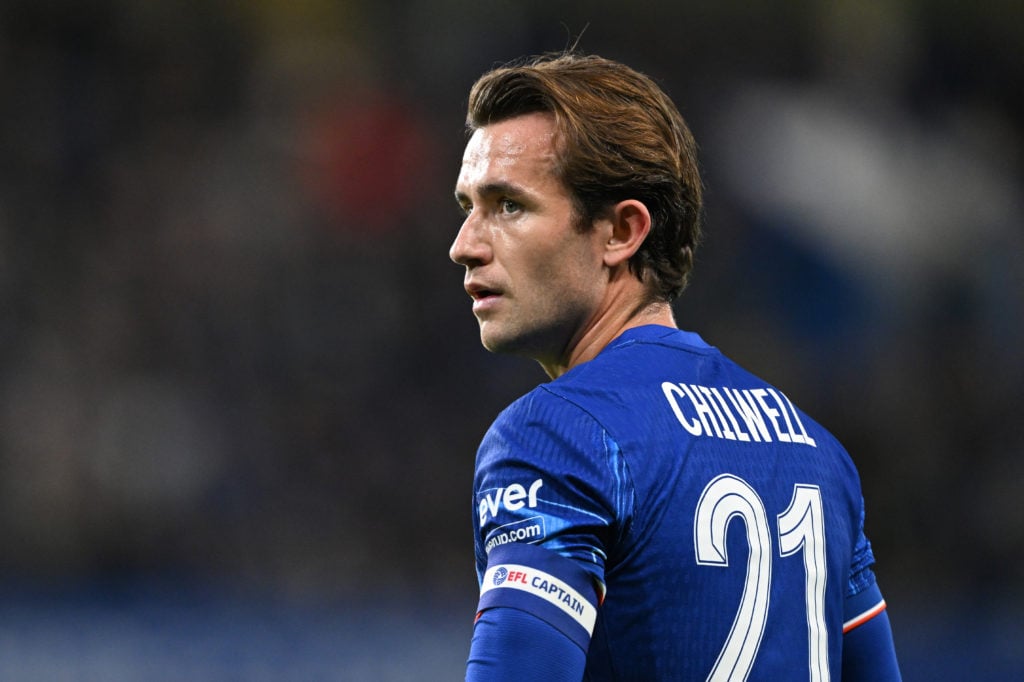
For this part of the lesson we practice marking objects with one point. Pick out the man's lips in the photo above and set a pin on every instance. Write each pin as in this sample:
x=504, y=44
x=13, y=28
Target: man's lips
x=483, y=296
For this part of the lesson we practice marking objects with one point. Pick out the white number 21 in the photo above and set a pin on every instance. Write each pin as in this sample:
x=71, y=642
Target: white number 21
x=801, y=526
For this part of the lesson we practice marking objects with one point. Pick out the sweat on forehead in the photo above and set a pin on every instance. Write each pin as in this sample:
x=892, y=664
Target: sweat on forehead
x=523, y=144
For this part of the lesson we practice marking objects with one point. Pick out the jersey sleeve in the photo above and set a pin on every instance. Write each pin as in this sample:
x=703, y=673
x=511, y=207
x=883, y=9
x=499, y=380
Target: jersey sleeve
x=863, y=597
x=545, y=584
x=869, y=654
x=549, y=475
x=551, y=494
x=868, y=649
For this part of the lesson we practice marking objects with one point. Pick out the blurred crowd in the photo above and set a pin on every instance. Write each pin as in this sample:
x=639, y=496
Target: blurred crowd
x=233, y=347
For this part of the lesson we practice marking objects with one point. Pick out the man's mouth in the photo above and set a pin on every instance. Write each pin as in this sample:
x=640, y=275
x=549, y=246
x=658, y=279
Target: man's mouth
x=483, y=297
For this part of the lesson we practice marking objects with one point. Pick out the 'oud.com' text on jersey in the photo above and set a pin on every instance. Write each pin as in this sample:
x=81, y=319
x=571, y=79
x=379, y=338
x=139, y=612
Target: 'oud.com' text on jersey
x=661, y=480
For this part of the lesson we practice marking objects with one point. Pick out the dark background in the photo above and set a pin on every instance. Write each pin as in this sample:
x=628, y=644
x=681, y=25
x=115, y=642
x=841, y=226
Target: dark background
x=241, y=387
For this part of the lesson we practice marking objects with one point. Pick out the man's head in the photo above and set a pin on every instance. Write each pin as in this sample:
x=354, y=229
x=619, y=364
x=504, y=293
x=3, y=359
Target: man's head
x=582, y=200
x=618, y=136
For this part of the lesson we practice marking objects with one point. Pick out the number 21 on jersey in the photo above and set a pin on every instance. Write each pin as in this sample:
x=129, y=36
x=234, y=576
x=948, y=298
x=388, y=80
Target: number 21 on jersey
x=800, y=527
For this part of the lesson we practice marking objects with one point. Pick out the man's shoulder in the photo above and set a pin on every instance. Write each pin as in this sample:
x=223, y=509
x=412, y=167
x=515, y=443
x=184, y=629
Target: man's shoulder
x=544, y=402
x=591, y=395
x=639, y=355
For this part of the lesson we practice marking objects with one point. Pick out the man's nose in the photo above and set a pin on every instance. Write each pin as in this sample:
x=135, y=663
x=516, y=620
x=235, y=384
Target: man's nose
x=470, y=247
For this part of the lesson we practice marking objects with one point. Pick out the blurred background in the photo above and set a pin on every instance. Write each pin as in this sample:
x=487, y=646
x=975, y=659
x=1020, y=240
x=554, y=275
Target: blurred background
x=241, y=386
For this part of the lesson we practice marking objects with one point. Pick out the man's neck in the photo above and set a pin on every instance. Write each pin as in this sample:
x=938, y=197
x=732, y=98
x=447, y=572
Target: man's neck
x=606, y=329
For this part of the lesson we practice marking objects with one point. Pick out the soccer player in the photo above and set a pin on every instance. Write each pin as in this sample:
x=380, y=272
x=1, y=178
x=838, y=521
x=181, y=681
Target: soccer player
x=654, y=512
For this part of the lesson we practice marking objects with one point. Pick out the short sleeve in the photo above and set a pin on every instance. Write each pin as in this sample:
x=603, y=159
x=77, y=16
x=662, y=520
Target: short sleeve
x=549, y=475
x=863, y=597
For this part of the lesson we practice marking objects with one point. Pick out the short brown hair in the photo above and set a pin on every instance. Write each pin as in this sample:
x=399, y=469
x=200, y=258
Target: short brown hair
x=620, y=137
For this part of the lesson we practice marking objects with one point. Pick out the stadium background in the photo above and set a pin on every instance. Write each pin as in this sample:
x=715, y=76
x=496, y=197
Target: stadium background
x=240, y=385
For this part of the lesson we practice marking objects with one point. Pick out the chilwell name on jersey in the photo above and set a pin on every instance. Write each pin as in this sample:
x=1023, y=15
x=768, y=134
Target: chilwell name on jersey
x=749, y=415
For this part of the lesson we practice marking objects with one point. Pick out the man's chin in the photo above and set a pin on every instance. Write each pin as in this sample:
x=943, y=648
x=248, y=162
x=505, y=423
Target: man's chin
x=499, y=341
x=505, y=343
x=497, y=344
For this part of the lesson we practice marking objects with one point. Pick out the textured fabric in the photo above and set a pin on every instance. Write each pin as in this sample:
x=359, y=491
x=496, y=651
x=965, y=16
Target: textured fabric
x=514, y=646
x=868, y=652
x=722, y=526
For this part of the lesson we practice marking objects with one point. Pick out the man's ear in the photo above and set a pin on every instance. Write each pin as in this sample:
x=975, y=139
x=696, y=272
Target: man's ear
x=631, y=223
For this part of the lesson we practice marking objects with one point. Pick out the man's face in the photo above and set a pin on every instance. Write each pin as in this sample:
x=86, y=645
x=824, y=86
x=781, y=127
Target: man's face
x=536, y=281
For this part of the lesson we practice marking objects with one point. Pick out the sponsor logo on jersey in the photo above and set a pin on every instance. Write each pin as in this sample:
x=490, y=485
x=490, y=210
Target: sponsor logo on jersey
x=529, y=530
x=512, y=498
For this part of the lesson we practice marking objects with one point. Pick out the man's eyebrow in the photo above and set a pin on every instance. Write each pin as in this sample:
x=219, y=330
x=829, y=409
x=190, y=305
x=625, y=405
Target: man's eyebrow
x=492, y=189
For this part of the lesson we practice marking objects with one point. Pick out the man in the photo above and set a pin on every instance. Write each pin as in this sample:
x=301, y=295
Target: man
x=654, y=512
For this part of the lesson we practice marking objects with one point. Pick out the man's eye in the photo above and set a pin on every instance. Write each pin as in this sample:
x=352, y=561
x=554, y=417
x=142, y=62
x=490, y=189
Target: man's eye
x=508, y=206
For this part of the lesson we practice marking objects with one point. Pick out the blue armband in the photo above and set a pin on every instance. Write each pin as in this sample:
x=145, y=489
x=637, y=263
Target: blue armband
x=545, y=584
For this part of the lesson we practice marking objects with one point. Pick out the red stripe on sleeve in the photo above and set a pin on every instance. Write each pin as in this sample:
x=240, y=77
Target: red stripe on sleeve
x=864, y=617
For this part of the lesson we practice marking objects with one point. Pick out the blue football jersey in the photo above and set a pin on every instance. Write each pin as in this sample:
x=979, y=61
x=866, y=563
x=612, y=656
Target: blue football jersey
x=676, y=516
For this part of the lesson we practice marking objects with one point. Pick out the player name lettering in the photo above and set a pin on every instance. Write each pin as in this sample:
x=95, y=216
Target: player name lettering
x=758, y=415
